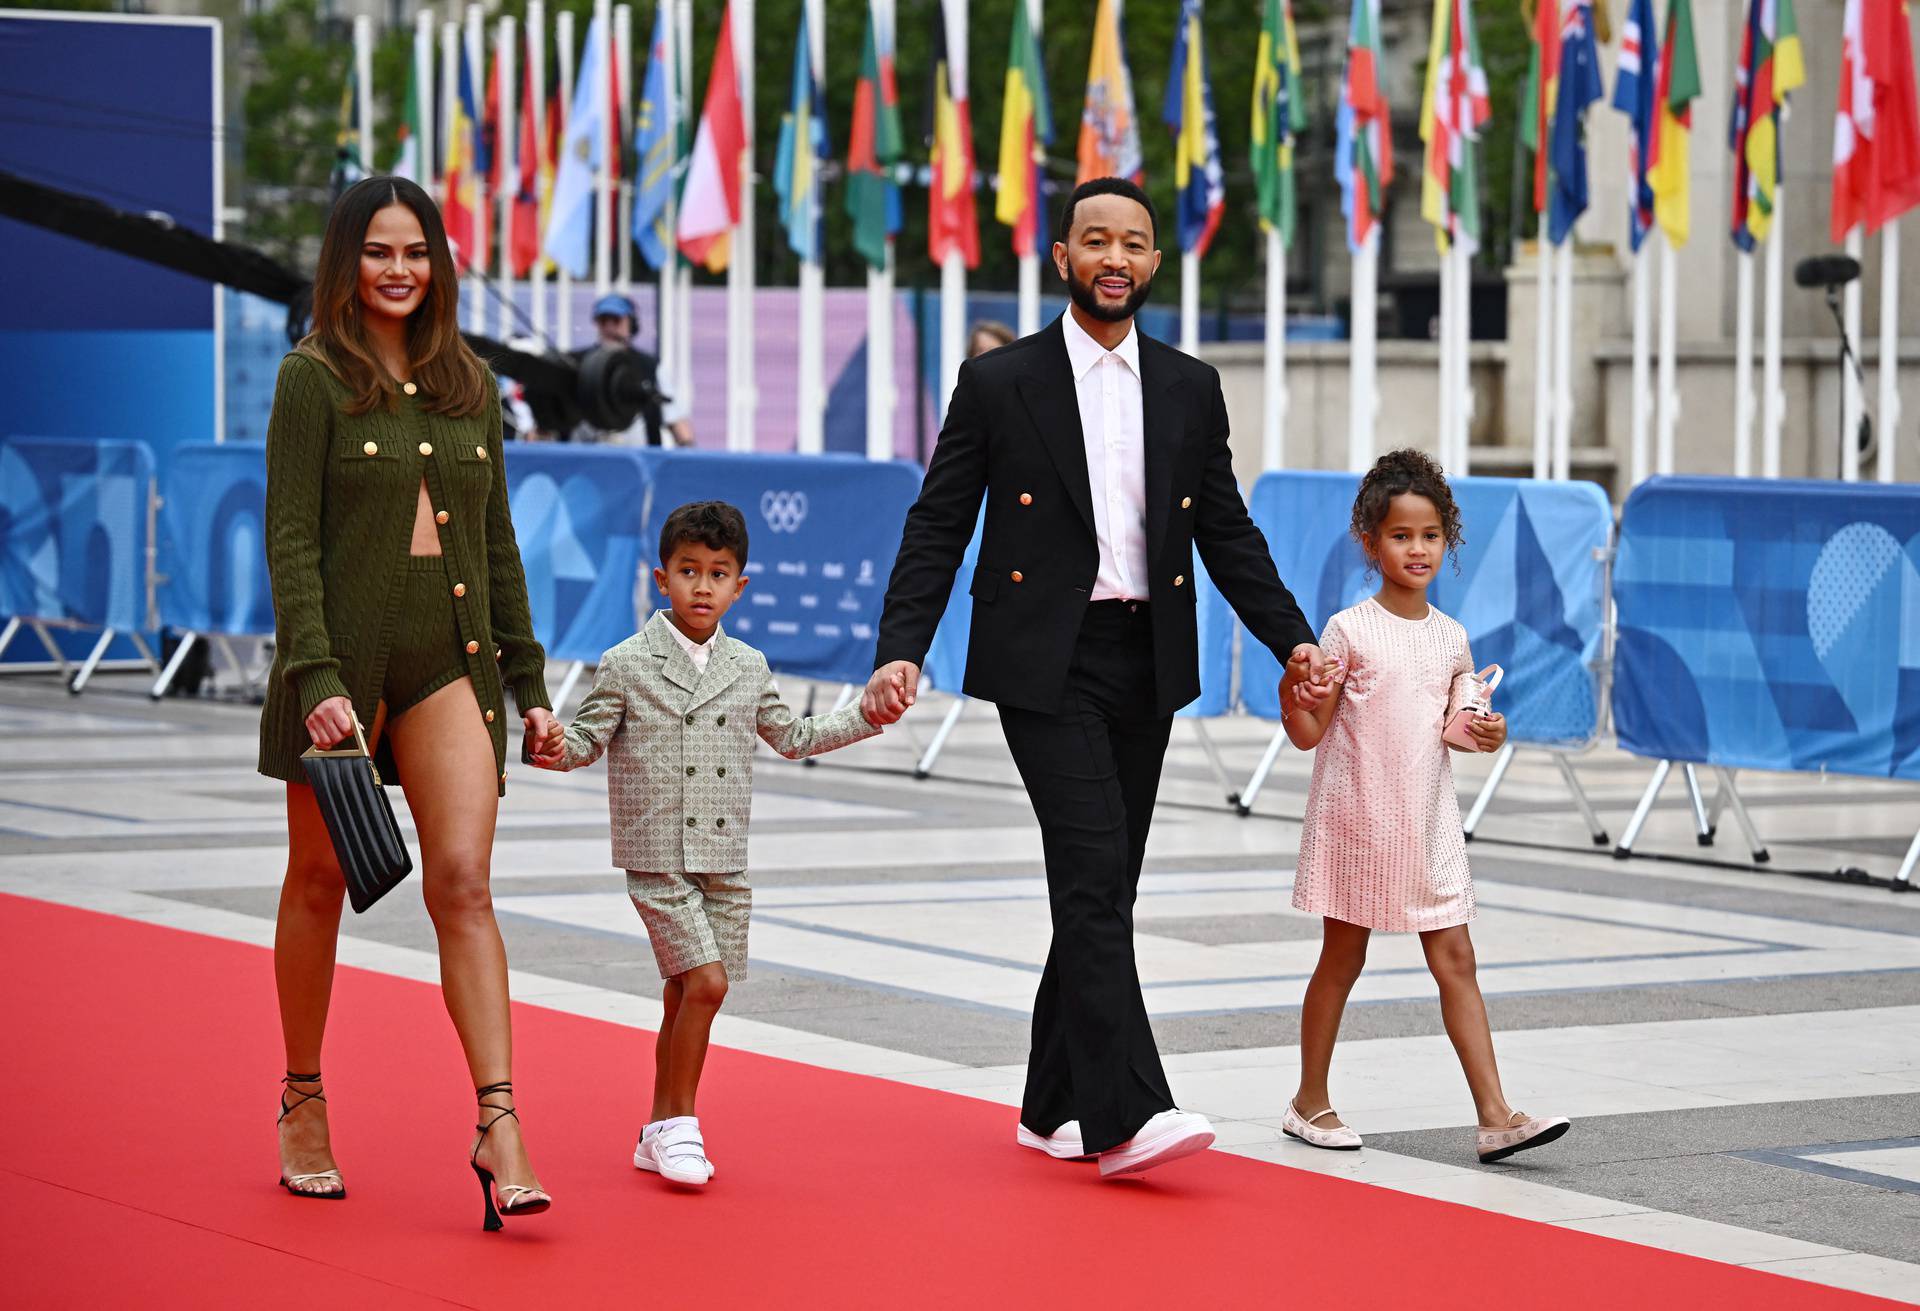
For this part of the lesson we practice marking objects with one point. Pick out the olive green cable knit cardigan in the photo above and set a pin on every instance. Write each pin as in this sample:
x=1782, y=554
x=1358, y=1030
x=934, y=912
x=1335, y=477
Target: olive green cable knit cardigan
x=342, y=493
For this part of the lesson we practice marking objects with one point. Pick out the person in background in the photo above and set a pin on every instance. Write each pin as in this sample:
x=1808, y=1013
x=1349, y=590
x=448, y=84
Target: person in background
x=987, y=335
x=616, y=322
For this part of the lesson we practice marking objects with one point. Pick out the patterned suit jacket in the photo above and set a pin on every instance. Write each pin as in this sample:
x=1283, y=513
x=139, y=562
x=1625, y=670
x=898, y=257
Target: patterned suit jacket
x=679, y=745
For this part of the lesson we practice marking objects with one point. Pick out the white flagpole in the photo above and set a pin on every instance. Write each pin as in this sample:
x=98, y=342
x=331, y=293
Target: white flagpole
x=1189, y=302
x=666, y=347
x=953, y=269
x=1773, y=396
x=1848, y=450
x=1449, y=306
x=423, y=75
x=1362, y=396
x=1667, y=392
x=810, y=437
x=363, y=89
x=1887, y=422
x=1463, y=364
x=880, y=392
x=1543, y=356
x=563, y=277
x=1028, y=321
x=537, y=75
x=602, y=31
x=476, y=50
x=506, y=167
x=1642, y=358
x=1273, y=433
x=623, y=72
x=740, y=269
x=1563, y=362
x=682, y=271
x=449, y=96
x=1743, y=364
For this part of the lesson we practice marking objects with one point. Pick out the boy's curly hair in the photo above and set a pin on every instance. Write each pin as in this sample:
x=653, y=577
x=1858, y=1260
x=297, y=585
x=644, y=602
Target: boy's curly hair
x=1398, y=473
x=714, y=524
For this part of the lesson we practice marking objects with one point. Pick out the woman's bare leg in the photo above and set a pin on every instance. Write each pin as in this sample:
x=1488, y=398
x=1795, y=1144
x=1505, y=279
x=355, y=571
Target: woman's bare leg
x=1343, y=954
x=305, y=935
x=446, y=765
x=1450, y=957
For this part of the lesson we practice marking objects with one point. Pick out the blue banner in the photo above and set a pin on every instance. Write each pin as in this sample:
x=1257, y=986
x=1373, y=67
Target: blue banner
x=823, y=530
x=1529, y=588
x=1770, y=625
x=578, y=512
x=213, y=557
x=73, y=530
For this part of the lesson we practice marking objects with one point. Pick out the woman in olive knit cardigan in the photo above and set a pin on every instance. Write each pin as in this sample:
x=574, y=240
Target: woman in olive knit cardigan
x=399, y=599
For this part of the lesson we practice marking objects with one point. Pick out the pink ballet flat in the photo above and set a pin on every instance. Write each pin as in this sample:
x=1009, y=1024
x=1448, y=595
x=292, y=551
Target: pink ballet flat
x=1341, y=1138
x=1522, y=1132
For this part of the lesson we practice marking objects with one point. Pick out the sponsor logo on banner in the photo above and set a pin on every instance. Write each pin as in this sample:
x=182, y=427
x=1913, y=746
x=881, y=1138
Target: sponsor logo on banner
x=784, y=512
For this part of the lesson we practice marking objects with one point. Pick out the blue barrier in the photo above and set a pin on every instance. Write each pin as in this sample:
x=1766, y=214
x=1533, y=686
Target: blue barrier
x=579, y=513
x=824, y=530
x=213, y=559
x=1770, y=625
x=1529, y=590
x=74, y=532
x=947, y=658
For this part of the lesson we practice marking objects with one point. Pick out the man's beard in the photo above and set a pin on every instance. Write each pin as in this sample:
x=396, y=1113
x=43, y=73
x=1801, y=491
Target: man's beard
x=1083, y=295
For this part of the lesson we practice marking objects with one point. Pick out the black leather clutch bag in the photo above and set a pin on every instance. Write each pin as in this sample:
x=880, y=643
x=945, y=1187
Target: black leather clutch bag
x=359, y=819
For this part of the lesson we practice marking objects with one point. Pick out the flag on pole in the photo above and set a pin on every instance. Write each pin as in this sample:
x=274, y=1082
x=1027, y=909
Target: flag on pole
x=1675, y=90
x=1109, y=130
x=410, y=160
x=710, y=206
x=1770, y=66
x=486, y=162
x=1026, y=129
x=348, y=167
x=1279, y=115
x=1453, y=109
x=1543, y=85
x=1633, y=95
x=876, y=144
x=1579, y=86
x=803, y=149
x=656, y=148
x=1363, y=137
x=462, y=190
x=523, y=242
x=1199, y=183
x=549, y=167
x=951, y=223
x=569, y=237
x=1876, y=134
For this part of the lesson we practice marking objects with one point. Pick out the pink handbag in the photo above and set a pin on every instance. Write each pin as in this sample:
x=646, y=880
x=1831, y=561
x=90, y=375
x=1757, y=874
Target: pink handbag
x=1478, y=702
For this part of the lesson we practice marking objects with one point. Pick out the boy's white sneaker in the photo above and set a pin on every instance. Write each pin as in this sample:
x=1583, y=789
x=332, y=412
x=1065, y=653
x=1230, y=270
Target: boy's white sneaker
x=674, y=1150
x=1062, y=1144
x=1168, y=1136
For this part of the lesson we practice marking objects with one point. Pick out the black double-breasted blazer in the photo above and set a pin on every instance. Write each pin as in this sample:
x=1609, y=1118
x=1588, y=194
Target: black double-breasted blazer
x=1013, y=436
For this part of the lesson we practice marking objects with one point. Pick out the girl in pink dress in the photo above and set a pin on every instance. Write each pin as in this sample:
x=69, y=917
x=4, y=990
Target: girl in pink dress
x=1381, y=846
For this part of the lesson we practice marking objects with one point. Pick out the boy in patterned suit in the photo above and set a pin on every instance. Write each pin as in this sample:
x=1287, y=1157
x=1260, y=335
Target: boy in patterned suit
x=676, y=707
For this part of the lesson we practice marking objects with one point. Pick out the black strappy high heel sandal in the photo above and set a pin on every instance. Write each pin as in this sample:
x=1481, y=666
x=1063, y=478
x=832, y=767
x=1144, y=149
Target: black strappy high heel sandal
x=292, y=1182
x=508, y=1205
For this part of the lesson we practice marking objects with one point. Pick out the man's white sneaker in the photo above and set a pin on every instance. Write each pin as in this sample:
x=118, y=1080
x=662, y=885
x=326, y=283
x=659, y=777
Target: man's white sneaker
x=675, y=1151
x=1334, y=1138
x=1063, y=1143
x=1168, y=1136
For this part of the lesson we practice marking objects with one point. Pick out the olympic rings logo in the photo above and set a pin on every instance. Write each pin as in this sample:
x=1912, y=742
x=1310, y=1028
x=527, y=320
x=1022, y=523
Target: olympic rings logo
x=784, y=511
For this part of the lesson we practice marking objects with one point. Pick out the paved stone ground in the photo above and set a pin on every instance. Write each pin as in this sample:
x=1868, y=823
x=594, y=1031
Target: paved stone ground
x=1740, y=1046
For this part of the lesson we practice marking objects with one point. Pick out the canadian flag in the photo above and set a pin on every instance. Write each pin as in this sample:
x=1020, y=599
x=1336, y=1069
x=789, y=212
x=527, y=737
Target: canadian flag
x=710, y=205
x=1876, y=133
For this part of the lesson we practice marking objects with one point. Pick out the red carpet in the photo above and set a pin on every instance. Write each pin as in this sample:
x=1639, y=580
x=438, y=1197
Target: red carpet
x=137, y=1168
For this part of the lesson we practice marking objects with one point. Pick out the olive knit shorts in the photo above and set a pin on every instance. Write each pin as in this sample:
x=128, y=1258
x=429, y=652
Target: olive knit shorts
x=425, y=653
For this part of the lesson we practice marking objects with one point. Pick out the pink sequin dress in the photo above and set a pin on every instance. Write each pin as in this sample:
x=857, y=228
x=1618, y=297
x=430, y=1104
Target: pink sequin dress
x=1381, y=844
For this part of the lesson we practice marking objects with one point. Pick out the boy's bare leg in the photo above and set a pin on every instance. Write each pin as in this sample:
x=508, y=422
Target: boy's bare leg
x=663, y=1049
x=702, y=989
x=1343, y=954
x=1450, y=958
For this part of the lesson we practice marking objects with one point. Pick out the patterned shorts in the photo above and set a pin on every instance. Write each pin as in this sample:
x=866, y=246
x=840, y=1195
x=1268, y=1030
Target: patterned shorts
x=694, y=919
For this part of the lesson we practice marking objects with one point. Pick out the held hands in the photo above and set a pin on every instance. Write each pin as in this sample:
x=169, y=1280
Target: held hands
x=890, y=692
x=546, y=738
x=330, y=721
x=1315, y=675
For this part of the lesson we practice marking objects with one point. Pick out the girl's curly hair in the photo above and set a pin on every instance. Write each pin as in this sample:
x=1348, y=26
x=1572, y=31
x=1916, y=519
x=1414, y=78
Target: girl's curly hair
x=1398, y=473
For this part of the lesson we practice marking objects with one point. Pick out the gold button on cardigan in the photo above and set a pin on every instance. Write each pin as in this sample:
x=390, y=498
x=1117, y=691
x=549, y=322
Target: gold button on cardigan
x=339, y=527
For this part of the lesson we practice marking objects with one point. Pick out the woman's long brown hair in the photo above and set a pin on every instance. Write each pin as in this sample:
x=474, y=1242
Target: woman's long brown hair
x=451, y=378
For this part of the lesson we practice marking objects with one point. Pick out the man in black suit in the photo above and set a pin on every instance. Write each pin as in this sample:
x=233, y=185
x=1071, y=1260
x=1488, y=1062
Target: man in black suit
x=1103, y=459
